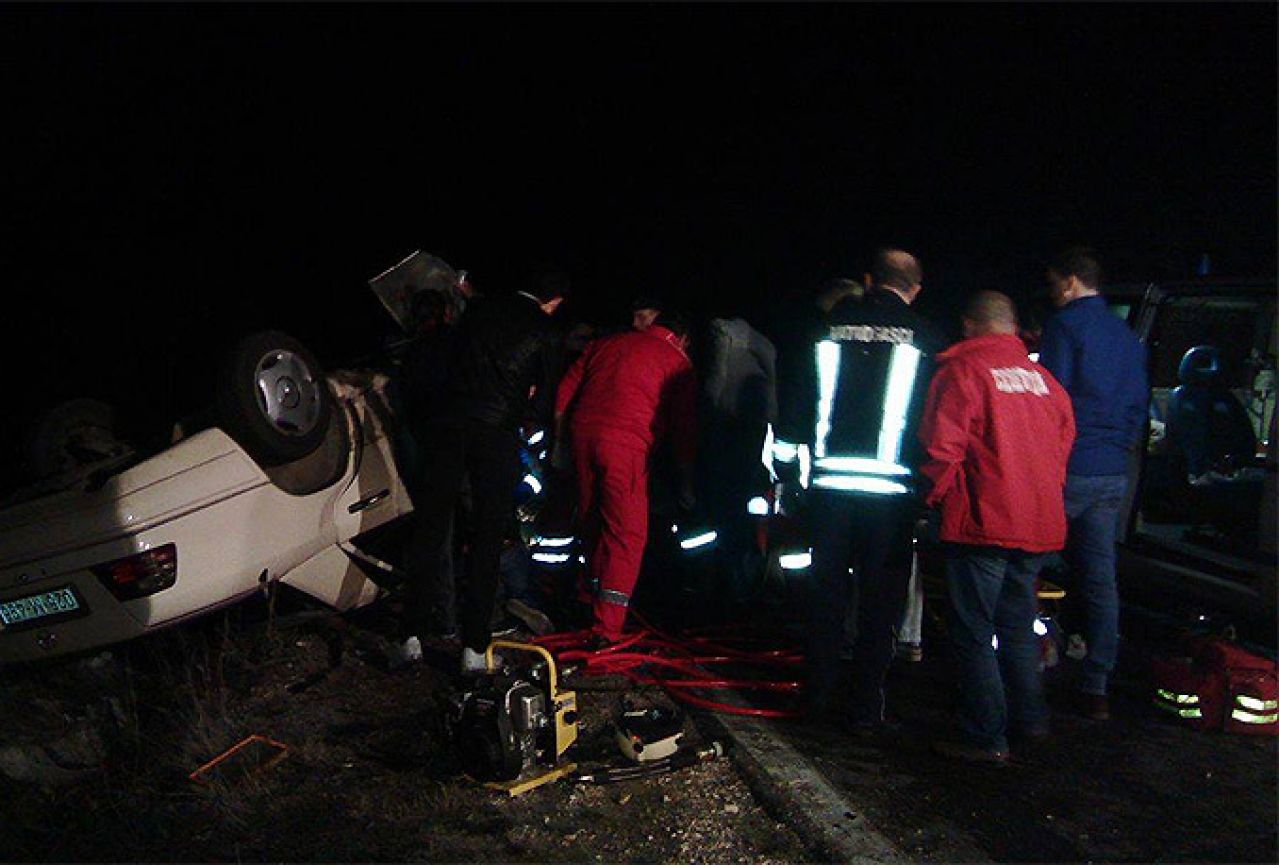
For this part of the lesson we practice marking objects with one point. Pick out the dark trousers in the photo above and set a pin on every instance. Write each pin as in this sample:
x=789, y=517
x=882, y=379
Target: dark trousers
x=992, y=594
x=860, y=533
x=453, y=450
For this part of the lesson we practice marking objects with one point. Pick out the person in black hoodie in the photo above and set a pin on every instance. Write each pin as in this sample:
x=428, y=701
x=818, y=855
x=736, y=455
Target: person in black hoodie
x=504, y=373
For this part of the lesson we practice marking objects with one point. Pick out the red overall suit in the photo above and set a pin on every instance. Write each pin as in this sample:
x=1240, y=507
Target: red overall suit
x=625, y=393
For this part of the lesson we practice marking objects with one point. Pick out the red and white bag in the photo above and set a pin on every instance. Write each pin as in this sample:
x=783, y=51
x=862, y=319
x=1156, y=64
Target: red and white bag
x=1219, y=685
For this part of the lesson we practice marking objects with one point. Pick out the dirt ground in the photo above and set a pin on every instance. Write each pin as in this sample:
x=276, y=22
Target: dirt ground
x=95, y=757
x=1139, y=788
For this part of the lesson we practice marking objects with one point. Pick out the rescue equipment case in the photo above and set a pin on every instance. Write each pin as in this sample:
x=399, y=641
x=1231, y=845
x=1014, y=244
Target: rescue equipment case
x=1219, y=685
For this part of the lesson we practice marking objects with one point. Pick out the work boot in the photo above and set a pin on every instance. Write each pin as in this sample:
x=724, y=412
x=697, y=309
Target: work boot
x=1094, y=707
x=538, y=622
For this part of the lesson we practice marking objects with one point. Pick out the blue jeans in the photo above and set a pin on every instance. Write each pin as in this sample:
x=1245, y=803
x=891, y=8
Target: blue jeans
x=1092, y=511
x=992, y=594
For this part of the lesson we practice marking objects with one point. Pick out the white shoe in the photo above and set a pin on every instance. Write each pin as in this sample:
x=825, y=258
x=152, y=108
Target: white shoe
x=405, y=653
x=475, y=664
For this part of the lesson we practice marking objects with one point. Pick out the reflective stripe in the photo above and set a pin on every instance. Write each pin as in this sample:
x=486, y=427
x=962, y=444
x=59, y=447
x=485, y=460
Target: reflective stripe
x=1183, y=713
x=854, y=483
x=551, y=558
x=805, y=466
x=1182, y=699
x=827, y=377
x=552, y=542
x=757, y=507
x=609, y=596
x=795, y=561
x=1250, y=718
x=1255, y=704
x=533, y=483
x=901, y=382
x=536, y=437
x=698, y=540
x=1040, y=628
x=860, y=465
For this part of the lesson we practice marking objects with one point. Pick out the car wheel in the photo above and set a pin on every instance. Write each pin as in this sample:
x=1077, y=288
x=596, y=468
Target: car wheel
x=273, y=398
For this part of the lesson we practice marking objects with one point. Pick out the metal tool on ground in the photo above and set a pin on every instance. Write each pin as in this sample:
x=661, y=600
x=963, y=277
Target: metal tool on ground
x=514, y=724
x=648, y=734
x=678, y=760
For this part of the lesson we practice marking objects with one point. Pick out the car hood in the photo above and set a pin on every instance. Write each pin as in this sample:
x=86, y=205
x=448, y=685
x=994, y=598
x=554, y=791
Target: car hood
x=194, y=473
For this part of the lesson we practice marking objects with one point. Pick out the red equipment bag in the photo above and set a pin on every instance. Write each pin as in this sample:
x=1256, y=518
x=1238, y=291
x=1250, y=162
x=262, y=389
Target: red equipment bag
x=1219, y=686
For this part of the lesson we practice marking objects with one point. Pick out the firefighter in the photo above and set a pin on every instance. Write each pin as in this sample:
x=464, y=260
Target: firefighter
x=857, y=413
x=621, y=397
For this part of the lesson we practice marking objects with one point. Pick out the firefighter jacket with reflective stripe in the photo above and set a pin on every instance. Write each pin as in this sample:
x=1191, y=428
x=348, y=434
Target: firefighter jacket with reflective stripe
x=636, y=387
x=997, y=429
x=861, y=402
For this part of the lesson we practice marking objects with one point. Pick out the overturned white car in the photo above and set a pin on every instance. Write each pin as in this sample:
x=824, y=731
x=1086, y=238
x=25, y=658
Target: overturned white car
x=296, y=465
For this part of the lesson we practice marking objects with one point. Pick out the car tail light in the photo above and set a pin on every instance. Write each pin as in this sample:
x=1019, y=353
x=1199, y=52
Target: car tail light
x=141, y=574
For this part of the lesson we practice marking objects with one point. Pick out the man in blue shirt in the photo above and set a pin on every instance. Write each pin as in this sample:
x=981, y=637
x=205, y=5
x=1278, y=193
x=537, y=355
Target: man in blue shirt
x=1100, y=362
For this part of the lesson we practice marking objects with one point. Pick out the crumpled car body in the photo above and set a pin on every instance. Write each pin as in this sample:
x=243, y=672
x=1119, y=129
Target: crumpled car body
x=196, y=527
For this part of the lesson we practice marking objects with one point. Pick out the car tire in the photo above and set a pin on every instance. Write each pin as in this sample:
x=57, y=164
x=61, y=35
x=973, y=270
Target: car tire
x=273, y=398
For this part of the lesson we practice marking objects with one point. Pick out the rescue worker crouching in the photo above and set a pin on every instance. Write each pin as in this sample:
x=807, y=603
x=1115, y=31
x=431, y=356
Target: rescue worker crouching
x=857, y=415
x=623, y=396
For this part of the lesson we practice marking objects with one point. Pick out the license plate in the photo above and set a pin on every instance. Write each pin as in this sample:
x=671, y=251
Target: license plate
x=20, y=611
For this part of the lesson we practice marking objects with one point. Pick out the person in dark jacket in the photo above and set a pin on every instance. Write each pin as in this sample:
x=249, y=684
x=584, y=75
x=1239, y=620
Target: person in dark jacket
x=504, y=373
x=625, y=394
x=1102, y=365
x=860, y=410
x=997, y=429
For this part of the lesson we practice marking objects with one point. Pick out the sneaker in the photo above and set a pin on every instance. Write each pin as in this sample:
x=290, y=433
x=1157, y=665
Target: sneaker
x=537, y=622
x=476, y=664
x=1094, y=707
x=407, y=652
x=971, y=753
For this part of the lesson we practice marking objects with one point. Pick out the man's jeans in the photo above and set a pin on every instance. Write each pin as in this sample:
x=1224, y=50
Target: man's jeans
x=992, y=594
x=1092, y=510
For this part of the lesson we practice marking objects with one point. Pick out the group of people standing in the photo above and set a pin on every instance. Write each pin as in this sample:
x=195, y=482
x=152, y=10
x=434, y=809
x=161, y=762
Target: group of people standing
x=1017, y=456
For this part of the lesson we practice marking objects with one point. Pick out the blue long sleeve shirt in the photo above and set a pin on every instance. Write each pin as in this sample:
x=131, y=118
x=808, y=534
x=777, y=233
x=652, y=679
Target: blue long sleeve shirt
x=1102, y=365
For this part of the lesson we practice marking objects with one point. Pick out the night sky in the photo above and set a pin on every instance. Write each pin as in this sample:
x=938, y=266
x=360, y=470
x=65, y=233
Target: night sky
x=175, y=174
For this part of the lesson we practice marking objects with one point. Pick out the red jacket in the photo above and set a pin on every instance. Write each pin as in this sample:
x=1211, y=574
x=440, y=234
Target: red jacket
x=637, y=386
x=997, y=429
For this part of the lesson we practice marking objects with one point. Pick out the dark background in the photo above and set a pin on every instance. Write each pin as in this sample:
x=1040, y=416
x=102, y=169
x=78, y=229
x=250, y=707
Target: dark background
x=173, y=176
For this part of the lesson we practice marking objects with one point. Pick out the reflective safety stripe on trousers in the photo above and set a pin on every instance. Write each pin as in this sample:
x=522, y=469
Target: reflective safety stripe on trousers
x=609, y=596
x=867, y=473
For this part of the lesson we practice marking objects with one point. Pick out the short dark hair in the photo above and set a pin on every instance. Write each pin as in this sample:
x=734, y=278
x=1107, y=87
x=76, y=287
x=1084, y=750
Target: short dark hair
x=1081, y=262
x=985, y=307
x=673, y=320
x=647, y=301
x=896, y=268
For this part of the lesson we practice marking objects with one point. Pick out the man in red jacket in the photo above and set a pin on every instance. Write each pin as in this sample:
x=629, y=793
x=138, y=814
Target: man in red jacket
x=997, y=430
x=624, y=394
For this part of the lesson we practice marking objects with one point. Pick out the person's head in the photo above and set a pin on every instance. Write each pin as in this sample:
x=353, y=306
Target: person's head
x=430, y=310
x=677, y=323
x=989, y=312
x=645, y=310
x=550, y=287
x=1073, y=274
x=898, y=271
x=832, y=291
